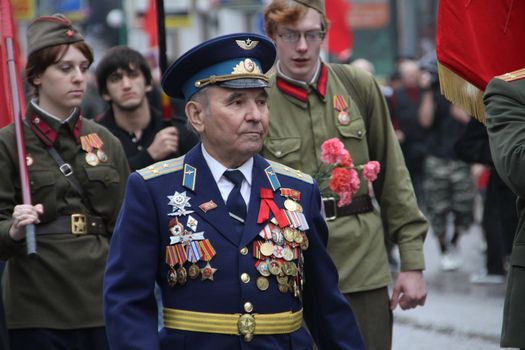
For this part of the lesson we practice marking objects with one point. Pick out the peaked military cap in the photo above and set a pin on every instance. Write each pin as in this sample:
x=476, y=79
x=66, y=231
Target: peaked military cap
x=236, y=61
x=315, y=4
x=47, y=31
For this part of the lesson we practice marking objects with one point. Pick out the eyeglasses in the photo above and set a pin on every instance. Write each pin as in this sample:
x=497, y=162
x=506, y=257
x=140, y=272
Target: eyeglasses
x=311, y=36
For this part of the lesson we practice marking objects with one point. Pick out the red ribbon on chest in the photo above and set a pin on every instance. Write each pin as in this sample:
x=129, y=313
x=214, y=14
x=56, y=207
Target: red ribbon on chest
x=267, y=204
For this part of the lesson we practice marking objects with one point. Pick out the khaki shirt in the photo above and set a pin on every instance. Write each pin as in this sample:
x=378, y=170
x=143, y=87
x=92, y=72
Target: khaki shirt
x=62, y=287
x=300, y=121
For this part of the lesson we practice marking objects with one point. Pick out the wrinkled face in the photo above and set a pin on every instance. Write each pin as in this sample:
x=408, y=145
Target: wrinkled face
x=126, y=89
x=298, y=59
x=62, y=85
x=232, y=123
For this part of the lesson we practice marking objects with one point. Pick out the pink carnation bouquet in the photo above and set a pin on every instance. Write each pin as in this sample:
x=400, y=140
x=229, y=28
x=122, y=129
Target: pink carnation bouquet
x=344, y=176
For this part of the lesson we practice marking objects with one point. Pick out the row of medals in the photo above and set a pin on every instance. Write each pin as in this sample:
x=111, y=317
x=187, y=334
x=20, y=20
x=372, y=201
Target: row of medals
x=94, y=158
x=277, y=257
x=179, y=276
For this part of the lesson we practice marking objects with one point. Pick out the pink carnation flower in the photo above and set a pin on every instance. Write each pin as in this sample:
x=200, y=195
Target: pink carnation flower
x=333, y=151
x=345, y=198
x=370, y=170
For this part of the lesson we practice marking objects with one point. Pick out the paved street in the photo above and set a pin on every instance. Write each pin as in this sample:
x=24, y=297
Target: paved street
x=457, y=315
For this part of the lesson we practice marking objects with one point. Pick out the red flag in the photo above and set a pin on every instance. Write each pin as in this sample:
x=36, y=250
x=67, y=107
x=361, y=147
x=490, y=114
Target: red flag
x=8, y=30
x=150, y=24
x=340, y=38
x=477, y=40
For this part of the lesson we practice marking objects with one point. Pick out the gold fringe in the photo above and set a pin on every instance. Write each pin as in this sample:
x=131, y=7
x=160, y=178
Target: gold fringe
x=462, y=93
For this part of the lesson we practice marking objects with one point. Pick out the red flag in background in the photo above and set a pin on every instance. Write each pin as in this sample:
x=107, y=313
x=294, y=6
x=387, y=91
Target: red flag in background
x=340, y=38
x=150, y=24
x=8, y=30
x=475, y=41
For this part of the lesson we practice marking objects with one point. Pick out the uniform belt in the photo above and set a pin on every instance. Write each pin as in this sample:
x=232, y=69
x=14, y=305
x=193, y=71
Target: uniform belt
x=246, y=325
x=76, y=224
x=359, y=205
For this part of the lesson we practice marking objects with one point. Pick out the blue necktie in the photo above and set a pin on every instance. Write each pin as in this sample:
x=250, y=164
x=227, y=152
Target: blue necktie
x=235, y=202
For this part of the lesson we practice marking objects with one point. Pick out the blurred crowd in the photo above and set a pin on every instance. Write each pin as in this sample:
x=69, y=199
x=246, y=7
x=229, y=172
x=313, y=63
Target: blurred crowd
x=447, y=154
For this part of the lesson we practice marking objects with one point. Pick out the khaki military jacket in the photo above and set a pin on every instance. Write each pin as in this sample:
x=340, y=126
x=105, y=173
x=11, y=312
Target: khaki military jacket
x=505, y=110
x=301, y=119
x=62, y=287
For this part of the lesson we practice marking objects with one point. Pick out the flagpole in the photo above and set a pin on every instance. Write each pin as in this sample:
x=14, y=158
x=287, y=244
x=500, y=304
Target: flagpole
x=161, y=24
x=7, y=33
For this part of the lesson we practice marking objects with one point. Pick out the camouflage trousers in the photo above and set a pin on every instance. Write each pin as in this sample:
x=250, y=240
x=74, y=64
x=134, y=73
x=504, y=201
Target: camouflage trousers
x=448, y=189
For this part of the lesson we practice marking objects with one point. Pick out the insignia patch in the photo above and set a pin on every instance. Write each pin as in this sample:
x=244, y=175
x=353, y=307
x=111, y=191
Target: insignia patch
x=209, y=205
x=247, y=44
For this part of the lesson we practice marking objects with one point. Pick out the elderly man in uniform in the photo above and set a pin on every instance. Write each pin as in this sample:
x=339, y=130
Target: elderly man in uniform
x=236, y=243
x=505, y=109
x=311, y=102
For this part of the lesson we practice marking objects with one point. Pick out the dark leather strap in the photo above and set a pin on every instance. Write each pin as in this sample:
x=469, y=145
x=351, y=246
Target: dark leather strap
x=66, y=170
x=76, y=224
x=359, y=205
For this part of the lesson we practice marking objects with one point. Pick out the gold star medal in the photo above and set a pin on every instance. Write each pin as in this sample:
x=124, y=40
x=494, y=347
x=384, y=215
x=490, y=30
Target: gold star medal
x=341, y=106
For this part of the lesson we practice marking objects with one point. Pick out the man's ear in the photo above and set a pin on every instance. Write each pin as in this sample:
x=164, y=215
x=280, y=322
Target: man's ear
x=195, y=113
x=106, y=97
x=149, y=88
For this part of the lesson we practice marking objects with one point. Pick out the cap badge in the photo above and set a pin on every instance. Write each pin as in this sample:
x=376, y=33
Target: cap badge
x=246, y=66
x=247, y=44
x=70, y=33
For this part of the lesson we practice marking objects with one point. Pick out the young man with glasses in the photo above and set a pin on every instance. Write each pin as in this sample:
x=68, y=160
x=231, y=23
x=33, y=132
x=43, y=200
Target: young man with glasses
x=312, y=101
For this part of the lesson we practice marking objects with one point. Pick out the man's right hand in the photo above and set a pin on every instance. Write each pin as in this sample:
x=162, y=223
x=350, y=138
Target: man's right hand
x=23, y=215
x=166, y=142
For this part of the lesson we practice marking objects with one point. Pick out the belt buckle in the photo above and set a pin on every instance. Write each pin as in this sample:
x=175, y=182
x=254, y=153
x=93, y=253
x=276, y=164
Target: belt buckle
x=246, y=326
x=334, y=207
x=78, y=224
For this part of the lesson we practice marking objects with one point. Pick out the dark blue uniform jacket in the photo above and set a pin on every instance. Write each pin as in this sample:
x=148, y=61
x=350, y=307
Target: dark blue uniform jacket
x=137, y=260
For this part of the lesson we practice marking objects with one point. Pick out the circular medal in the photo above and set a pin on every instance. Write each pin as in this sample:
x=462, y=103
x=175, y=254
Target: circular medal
x=297, y=237
x=264, y=268
x=172, y=278
x=194, y=271
x=282, y=279
x=275, y=268
x=290, y=205
x=29, y=159
x=262, y=283
x=102, y=156
x=288, y=234
x=267, y=249
x=304, y=244
x=277, y=236
x=299, y=207
x=287, y=269
x=182, y=275
x=344, y=118
x=288, y=253
x=293, y=268
x=92, y=159
x=278, y=251
x=283, y=288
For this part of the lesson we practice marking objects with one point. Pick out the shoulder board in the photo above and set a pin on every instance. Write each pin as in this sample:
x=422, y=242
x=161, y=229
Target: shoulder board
x=511, y=76
x=284, y=170
x=162, y=168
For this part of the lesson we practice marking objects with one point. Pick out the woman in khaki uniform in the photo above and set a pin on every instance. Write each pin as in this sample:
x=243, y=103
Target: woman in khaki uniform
x=77, y=171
